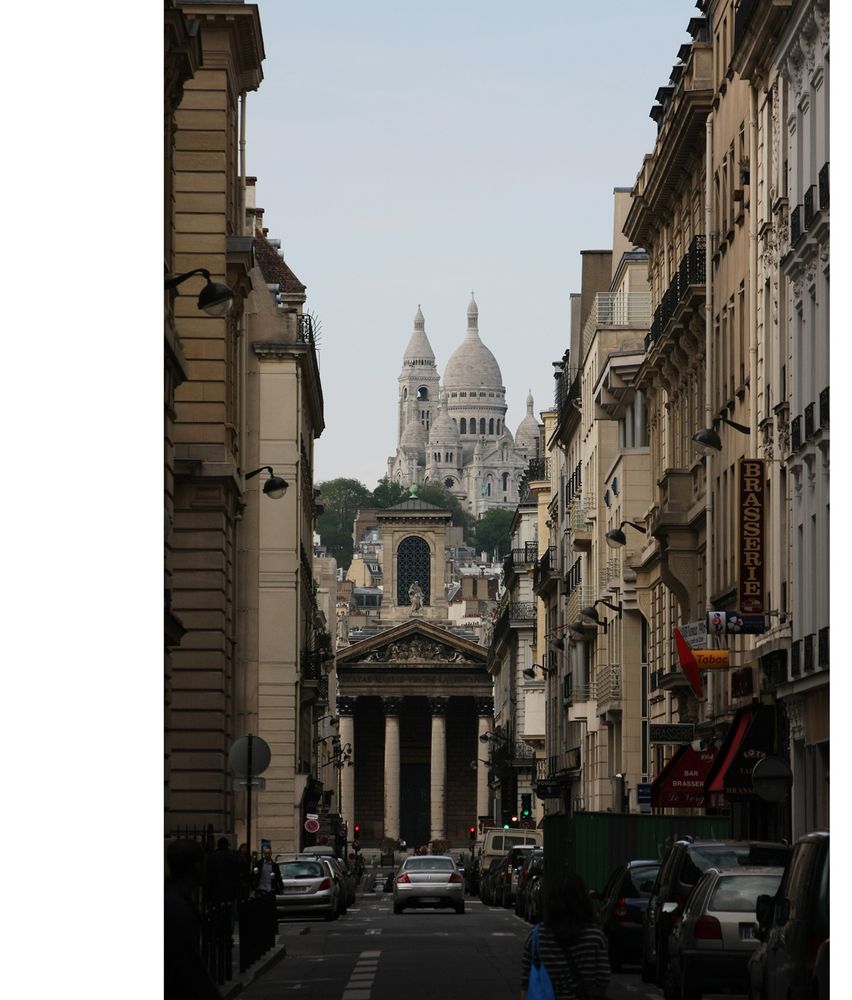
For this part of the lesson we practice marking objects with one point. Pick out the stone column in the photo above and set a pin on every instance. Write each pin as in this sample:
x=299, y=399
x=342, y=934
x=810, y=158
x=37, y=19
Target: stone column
x=438, y=782
x=484, y=711
x=392, y=706
x=346, y=711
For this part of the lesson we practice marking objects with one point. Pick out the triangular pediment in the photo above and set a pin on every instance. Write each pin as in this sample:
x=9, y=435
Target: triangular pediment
x=414, y=642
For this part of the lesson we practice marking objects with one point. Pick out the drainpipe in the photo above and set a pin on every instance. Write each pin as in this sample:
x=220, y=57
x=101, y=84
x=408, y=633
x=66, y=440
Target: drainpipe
x=242, y=219
x=708, y=381
x=752, y=295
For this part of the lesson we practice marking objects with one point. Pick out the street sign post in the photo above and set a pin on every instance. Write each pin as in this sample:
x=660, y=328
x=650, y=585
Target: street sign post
x=695, y=634
x=249, y=756
x=643, y=796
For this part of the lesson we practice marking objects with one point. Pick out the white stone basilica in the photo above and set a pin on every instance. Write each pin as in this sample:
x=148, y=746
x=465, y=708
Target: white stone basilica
x=456, y=433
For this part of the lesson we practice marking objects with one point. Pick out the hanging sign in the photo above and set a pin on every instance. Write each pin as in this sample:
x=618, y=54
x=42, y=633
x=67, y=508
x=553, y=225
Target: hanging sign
x=752, y=521
x=733, y=623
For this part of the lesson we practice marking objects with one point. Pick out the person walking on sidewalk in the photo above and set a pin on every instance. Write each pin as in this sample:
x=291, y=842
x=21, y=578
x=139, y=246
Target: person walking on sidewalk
x=185, y=975
x=267, y=874
x=572, y=946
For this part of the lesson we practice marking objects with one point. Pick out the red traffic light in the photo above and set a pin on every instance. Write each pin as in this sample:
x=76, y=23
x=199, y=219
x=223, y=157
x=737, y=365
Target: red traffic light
x=357, y=828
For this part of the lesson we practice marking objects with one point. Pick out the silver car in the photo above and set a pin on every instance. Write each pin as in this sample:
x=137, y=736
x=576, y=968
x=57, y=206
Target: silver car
x=710, y=947
x=428, y=880
x=309, y=886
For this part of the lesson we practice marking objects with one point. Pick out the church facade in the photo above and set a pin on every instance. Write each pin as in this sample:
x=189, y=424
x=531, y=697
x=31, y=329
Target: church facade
x=455, y=432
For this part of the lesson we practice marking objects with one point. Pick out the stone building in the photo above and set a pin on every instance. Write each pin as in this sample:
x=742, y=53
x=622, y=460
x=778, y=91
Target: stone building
x=455, y=433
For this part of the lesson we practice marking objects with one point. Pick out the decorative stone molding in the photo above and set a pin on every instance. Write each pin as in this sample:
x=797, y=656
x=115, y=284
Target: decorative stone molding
x=438, y=706
x=484, y=706
x=346, y=706
x=418, y=649
x=392, y=706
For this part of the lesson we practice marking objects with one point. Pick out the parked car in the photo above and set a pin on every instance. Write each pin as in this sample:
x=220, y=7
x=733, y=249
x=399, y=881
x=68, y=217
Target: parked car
x=794, y=925
x=683, y=865
x=428, y=880
x=535, y=902
x=309, y=885
x=622, y=906
x=487, y=880
x=507, y=883
x=709, y=948
x=533, y=858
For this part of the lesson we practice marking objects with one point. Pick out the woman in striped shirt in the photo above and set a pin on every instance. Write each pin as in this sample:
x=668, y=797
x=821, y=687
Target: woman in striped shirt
x=569, y=923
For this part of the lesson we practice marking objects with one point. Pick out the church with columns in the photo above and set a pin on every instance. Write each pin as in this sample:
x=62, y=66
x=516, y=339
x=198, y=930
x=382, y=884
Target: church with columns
x=414, y=696
x=455, y=432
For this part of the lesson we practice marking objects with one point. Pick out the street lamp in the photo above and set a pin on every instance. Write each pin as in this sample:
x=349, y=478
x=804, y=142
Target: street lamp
x=617, y=538
x=530, y=671
x=489, y=737
x=215, y=297
x=591, y=612
x=274, y=487
x=707, y=440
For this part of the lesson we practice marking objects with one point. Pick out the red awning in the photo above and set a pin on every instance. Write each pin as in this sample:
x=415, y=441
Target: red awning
x=729, y=749
x=681, y=782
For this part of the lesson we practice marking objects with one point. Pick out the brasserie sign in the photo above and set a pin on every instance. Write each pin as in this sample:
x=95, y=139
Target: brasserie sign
x=752, y=542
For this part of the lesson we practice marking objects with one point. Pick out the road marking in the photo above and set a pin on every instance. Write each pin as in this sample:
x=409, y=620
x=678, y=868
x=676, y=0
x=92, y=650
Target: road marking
x=370, y=954
x=373, y=930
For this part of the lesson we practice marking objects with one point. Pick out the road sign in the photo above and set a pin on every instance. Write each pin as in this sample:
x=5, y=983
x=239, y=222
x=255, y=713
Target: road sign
x=671, y=733
x=258, y=783
x=643, y=796
x=312, y=816
x=311, y=825
x=238, y=756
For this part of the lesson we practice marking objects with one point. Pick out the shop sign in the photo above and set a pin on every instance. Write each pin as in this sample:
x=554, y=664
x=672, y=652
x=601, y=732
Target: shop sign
x=733, y=623
x=671, y=733
x=752, y=481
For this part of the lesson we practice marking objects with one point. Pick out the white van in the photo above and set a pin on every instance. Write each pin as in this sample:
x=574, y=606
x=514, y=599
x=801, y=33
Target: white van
x=497, y=842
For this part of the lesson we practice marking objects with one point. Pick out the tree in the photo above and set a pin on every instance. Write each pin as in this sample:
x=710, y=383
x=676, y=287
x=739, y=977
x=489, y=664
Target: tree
x=387, y=493
x=341, y=499
x=438, y=494
x=492, y=531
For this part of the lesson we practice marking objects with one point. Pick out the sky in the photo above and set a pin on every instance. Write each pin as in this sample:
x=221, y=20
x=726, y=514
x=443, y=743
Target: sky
x=409, y=154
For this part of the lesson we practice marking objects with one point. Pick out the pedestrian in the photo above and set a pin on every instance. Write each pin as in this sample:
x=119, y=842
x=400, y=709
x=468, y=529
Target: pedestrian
x=572, y=946
x=267, y=874
x=185, y=975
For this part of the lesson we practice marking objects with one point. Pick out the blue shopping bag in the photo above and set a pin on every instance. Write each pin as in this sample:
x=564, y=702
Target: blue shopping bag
x=540, y=987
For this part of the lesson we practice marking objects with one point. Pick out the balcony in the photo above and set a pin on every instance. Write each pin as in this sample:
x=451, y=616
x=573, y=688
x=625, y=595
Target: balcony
x=580, y=597
x=517, y=614
x=809, y=422
x=629, y=309
x=796, y=433
x=809, y=653
x=312, y=660
x=796, y=230
x=808, y=201
x=674, y=677
x=686, y=286
x=608, y=688
x=822, y=648
x=546, y=571
x=539, y=468
x=558, y=767
x=580, y=520
x=575, y=693
x=823, y=188
x=823, y=408
x=796, y=659
x=305, y=332
x=518, y=560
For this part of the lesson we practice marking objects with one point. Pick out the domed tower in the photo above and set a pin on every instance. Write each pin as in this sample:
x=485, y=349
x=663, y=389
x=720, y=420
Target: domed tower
x=476, y=397
x=418, y=379
x=443, y=453
x=527, y=434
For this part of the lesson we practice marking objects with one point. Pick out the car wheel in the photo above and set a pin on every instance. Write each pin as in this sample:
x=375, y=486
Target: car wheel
x=333, y=915
x=398, y=907
x=671, y=988
x=460, y=908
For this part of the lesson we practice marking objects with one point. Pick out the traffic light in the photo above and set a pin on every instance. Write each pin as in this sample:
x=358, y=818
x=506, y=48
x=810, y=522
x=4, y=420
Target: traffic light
x=357, y=830
x=526, y=805
x=472, y=833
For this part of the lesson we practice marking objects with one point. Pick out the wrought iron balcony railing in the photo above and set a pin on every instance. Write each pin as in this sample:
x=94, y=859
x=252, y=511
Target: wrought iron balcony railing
x=796, y=659
x=796, y=433
x=608, y=684
x=808, y=201
x=796, y=230
x=305, y=330
x=809, y=422
x=539, y=468
x=312, y=664
x=809, y=653
x=823, y=407
x=822, y=647
x=823, y=187
x=691, y=273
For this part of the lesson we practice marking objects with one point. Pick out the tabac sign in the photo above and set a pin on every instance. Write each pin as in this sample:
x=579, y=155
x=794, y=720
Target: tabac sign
x=752, y=541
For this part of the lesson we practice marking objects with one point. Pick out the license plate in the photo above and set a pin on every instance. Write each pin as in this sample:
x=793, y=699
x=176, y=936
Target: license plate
x=295, y=888
x=430, y=899
x=747, y=932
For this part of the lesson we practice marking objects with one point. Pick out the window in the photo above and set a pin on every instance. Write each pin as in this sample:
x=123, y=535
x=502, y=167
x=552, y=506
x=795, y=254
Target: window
x=422, y=393
x=463, y=426
x=498, y=426
x=505, y=481
x=413, y=564
x=491, y=426
x=482, y=425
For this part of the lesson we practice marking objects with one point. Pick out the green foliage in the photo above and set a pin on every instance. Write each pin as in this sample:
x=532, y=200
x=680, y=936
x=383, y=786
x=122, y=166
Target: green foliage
x=437, y=494
x=341, y=499
x=492, y=531
x=387, y=493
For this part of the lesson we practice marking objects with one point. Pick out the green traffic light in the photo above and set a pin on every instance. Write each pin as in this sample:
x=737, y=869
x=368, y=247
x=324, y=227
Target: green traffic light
x=505, y=826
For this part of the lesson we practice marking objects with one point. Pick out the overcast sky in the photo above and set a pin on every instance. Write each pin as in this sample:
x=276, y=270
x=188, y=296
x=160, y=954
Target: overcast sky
x=410, y=154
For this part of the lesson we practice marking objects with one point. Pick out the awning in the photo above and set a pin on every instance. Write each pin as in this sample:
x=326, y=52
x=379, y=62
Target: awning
x=750, y=738
x=681, y=781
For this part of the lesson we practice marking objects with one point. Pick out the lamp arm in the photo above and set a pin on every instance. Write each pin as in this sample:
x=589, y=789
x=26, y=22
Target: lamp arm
x=174, y=282
x=737, y=427
x=266, y=468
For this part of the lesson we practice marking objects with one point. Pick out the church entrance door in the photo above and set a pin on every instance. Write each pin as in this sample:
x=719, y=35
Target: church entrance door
x=414, y=804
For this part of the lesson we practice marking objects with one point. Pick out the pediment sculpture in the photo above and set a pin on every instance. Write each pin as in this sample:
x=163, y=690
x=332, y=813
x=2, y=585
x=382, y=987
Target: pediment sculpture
x=418, y=649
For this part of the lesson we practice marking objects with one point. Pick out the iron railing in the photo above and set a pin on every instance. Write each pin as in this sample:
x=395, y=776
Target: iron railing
x=809, y=653
x=258, y=918
x=574, y=577
x=216, y=935
x=539, y=468
x=305, y=330
x=808, y=202
x=822, y=181
x=809, y=422
x=823, y=407
x=822, y=647
x=796, y=433
x=796, y=659
x=796, y=230
x=312, y=664
x=608, y=684
x=691, y=273
x=551, y=767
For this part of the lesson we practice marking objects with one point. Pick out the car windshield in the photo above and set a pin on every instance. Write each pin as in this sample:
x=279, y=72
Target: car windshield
x=300, y=869
x=428, y=865
x=738, y=893
x=704, y=856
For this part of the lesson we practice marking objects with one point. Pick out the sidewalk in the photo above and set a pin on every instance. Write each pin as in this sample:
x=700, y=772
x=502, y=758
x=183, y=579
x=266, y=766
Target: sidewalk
x=240, y=980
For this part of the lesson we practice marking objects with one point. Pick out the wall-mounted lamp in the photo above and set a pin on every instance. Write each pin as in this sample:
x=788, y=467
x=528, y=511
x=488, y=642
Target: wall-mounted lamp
x=591, y=612
x=333, y=720
x=617, y=538
x=530, y=671
x=707, y=440
x=215, y=297
x=489, y=737
x=274, y=486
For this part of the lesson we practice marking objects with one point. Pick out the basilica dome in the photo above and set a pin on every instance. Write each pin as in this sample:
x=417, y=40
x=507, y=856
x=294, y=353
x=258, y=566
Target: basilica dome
x=472, y=365
x=527, y=434
x=444, y=432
